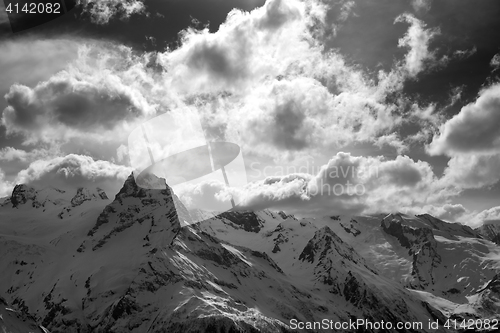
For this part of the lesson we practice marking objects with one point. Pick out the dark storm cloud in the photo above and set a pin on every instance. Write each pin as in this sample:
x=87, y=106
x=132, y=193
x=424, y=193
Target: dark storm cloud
x=63, y=100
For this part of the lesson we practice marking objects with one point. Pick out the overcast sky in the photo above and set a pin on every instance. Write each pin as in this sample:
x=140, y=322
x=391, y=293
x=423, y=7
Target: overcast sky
x=405, y=93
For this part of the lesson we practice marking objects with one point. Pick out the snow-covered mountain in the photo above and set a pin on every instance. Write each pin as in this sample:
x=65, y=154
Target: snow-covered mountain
x=446, y=261
x=12, y=321
x=26, y=198
x=490, y=230
x=82, y=263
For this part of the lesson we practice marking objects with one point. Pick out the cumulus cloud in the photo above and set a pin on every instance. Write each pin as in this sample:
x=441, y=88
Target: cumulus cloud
x=5, y=186
x=263, y=79
x=474, y=219
x=13, y=154
x=27, y=60
x=102, y=11
x=345, y=185
x=492, y=214
x=472, y=171
x=417, y=41
x=249, y=69
x=475, y=129
x=73, y=171
x=447, y=212
x=96, y=94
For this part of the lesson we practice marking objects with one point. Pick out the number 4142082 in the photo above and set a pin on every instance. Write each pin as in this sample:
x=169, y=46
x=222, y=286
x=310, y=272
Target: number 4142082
x=34, y=8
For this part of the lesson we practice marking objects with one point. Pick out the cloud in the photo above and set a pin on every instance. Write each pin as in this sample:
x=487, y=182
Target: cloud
x=458, y=213
x=5, y=186
x=247, y=48
x=421, y=5
x=263, y=80
x=101, y=91
x=345, y=185
x=10, y=154
x=72, y=171
x=28, y=60
x=475, y=129
x=14, y=154
x=472, y=171
x=492, y=214
x=495, y=62
x=102, y=11
x=417, y=41
x=447, y=212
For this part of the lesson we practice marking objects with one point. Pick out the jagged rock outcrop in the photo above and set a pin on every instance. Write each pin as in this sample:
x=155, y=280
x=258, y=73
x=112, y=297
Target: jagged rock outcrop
x=21, y=194
x=455, y=229
x=139, y=265
x=249, y=221
x=421, y=246
x=487, y=302
x=16, y=321
x=347, y=275
x=159, y=208
x=84, y=194
x=490, y=230
x=139, y=270
x=52, y=198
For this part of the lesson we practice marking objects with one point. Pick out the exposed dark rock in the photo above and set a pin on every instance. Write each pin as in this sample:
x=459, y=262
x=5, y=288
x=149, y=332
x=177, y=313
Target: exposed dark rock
x=21, y=194
x=248, y=220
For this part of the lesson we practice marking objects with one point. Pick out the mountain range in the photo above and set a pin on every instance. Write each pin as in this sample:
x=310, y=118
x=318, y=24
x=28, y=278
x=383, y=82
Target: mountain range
x=77, y=261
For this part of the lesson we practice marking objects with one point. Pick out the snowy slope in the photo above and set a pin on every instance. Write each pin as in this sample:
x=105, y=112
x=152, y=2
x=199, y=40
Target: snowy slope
x=490, y=230
x=78, y=262
x=315, y=258
x=12, y=321
x=448, y=261
x=131, y=267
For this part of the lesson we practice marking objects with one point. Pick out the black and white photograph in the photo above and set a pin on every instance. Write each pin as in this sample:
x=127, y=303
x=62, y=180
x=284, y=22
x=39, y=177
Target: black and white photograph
x=249, y=166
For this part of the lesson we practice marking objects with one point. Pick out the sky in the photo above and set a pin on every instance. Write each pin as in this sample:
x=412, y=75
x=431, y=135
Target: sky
x=339, y=107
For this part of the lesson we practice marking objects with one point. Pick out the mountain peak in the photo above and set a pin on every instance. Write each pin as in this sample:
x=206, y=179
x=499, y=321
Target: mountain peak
x=21, y=194
x=156, y=206
x=324, y=240
x=139, y=189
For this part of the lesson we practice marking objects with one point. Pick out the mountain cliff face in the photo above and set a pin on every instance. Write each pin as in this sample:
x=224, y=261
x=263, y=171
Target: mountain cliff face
x=487, y=300
x=446, y=262
x=136, y=269
x=345, y=284
x=491, y=231
x=15, y=321
x=49, y=199
x=421, y=246
x=448, y=259
x=138, y=264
